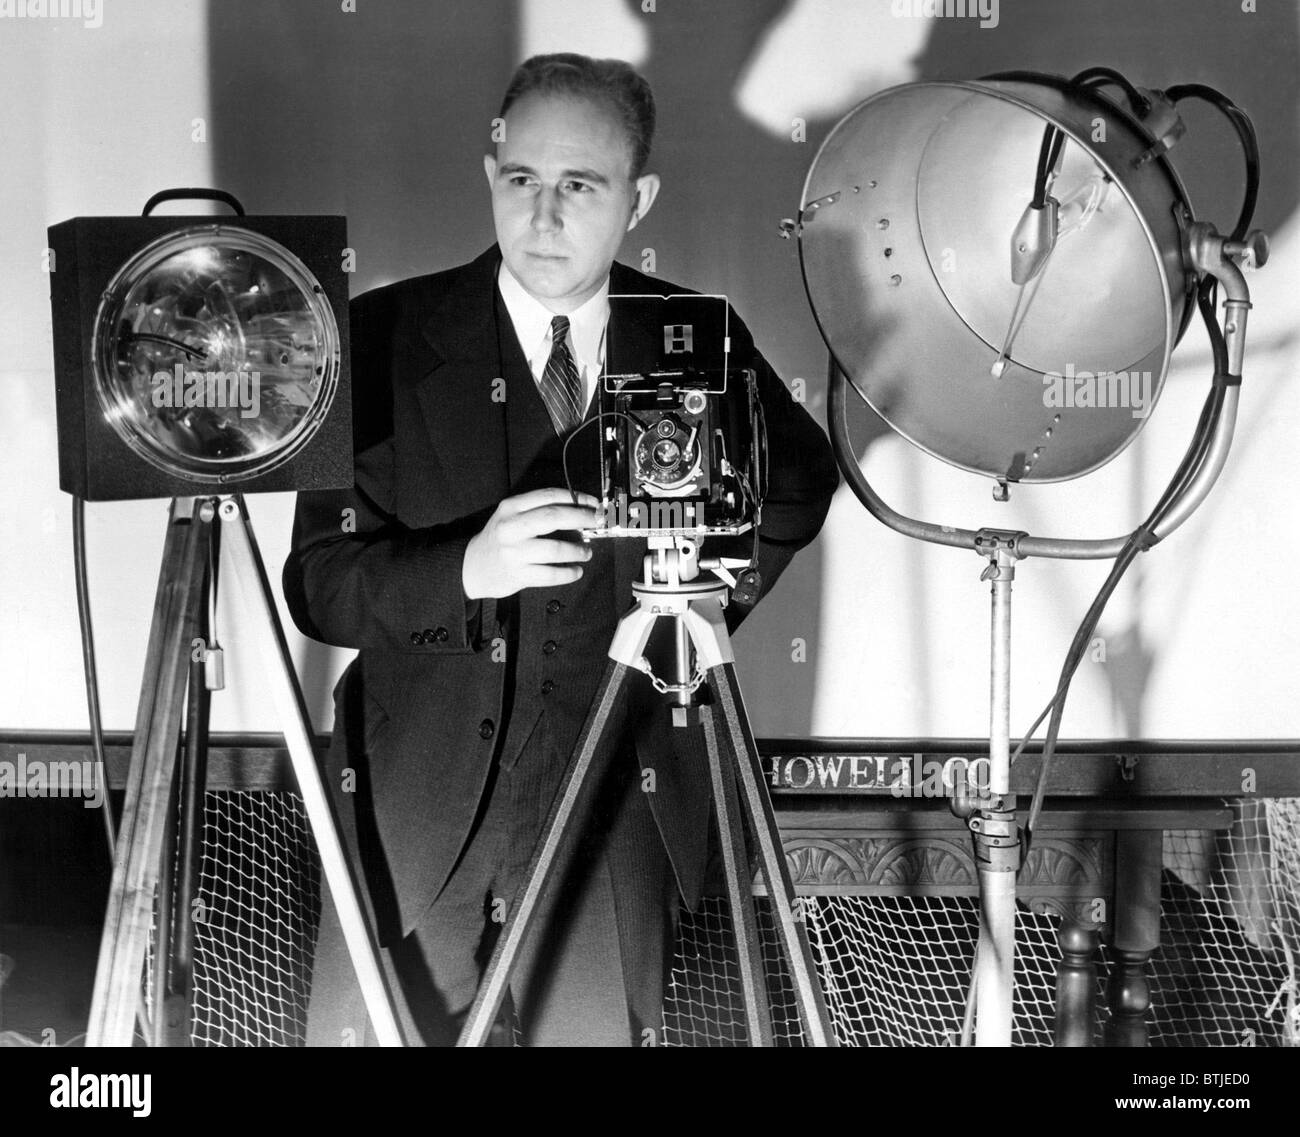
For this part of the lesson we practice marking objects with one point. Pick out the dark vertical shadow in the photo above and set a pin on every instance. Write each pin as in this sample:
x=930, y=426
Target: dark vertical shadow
x=726, y=185
x=382, y=115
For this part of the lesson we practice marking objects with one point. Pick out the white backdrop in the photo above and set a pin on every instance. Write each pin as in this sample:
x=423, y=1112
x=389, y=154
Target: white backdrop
x=1203, y=639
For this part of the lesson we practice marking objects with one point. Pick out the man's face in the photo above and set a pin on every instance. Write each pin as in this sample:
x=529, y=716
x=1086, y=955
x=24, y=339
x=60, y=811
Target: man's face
x=562, y=196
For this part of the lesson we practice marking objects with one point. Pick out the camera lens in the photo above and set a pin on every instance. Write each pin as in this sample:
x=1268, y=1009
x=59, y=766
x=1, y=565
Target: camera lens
x=667, y=454
x=665, y=428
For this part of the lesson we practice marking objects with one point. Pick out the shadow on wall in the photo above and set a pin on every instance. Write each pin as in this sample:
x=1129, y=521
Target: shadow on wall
x=727, y=184
x=383, y=115
x=379, y=115
x=1252, y=57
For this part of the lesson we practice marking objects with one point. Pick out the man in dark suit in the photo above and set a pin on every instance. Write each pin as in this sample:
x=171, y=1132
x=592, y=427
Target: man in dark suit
x=482, y=626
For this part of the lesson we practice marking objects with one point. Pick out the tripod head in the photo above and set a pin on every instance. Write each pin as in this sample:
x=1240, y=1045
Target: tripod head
x=673, y=561
x=678, y=583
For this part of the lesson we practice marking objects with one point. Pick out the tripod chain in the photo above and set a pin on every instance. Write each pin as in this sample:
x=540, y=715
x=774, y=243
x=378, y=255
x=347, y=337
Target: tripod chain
x=664, y=687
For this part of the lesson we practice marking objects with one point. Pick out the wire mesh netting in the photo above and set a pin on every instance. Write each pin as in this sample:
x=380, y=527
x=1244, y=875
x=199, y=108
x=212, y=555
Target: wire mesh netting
x=254, y=923
x=1230, y=931
x=895, y=971
x=260, y=884
x=895, y=968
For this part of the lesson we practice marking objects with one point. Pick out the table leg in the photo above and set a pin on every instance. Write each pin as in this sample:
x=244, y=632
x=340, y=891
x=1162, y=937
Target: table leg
x=1138, y=863
x=1076, y=984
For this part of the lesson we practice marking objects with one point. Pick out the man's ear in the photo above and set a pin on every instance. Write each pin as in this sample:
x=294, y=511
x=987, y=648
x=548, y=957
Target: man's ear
x=647, y=189
x=490, y=168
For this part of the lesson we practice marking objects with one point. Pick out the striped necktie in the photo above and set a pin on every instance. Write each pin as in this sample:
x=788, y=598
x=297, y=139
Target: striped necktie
x=561, y=386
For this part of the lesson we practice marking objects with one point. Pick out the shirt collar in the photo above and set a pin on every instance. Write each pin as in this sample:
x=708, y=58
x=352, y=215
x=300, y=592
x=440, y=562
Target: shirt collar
x=532, y=321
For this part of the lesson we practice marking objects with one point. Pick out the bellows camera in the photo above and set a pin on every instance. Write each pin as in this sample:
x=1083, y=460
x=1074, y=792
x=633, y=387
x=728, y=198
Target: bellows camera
x=682, y=437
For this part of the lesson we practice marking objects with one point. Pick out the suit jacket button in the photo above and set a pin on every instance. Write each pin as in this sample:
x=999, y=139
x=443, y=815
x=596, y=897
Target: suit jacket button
x=430, y=636
x=550, y=647
x=486, y=729
x=553, y=606
x=548, y=685
x=416, y=638
x=441, y=635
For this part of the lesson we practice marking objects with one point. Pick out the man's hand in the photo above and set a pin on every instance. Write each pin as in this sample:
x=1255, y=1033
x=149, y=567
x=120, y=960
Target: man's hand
x=513, y=550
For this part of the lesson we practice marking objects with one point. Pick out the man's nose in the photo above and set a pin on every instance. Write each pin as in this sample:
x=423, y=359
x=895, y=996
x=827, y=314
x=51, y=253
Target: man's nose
x=546, y=211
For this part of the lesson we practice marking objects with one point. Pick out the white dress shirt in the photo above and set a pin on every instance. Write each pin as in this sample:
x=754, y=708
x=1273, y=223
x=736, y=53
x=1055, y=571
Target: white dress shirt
x=532, y=322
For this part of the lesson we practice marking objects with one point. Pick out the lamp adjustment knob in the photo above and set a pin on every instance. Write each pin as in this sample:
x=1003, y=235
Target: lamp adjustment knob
x=1253, y=250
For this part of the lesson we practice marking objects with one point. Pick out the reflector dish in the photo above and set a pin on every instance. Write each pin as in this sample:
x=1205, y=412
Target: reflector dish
x=216, y=355
x=910, y=213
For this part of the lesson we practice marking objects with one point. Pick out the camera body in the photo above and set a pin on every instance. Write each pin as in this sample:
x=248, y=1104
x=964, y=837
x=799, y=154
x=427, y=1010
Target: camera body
x=681, y=433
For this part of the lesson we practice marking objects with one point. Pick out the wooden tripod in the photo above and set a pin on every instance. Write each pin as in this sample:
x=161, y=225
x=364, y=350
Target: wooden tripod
x=149, y=840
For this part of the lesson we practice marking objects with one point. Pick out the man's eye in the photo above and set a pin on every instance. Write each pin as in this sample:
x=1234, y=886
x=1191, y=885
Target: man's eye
x=578, y=187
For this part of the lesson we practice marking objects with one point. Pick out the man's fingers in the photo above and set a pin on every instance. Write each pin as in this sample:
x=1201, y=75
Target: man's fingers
x=550, y=576
x=552, y=551
x=544, y=519
x=554, y=495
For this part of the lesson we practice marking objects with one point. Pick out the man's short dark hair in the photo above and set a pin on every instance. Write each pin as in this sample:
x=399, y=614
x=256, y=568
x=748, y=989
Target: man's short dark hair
x=610, y=80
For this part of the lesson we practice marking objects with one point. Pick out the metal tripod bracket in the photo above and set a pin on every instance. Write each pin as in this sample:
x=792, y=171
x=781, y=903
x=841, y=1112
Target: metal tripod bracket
x=1002, y=547
x=991, y=819
x=996, y=836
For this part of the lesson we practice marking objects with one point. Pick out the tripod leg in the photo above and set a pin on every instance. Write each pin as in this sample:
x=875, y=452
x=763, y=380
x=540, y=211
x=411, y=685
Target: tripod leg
x=740, y=893
x=812, y=1004
x=551, y=857
x=160, y=971
x=269, y=644
x=129, y=916
x=175, y=1022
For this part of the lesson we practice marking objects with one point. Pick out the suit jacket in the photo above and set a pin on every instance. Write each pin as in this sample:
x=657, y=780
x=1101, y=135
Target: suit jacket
x=422, y=709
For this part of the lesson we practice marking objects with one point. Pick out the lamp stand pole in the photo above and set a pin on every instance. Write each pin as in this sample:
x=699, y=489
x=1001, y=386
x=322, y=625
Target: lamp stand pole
x=991, y=813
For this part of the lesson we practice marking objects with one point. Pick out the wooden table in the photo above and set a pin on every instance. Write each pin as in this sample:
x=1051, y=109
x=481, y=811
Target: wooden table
x=858, y=818
x=1095, y=862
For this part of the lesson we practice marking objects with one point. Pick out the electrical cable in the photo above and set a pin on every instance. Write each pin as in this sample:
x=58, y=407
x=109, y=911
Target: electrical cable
x=1142, y=538
x=1100, y=76
x=1054, y=139
x=1245, y=131
x=564, y=453
x=90, y=671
